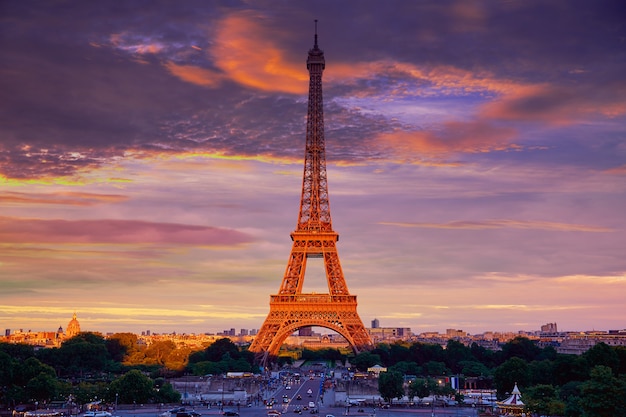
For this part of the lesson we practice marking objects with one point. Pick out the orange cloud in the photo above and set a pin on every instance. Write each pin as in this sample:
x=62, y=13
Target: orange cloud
x=195, y=75
x=245, y=53
x=470, y=137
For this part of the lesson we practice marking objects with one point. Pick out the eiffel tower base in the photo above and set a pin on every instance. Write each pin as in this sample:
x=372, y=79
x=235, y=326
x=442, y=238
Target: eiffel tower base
x=289, y=313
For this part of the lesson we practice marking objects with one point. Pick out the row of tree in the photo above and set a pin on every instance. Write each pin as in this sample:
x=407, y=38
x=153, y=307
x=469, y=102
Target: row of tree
x=89, y=366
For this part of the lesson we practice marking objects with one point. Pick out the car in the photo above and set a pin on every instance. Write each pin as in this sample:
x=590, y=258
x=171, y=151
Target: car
x=273, y=413
x=314, y=411
x=187, y=414
x=311, y=404
x=297, y=410
x=288, y=387
x=285, y=400
x=299, y=397
x=231, y=413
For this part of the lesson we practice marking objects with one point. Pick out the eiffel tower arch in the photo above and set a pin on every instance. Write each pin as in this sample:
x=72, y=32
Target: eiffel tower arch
x=314, y=237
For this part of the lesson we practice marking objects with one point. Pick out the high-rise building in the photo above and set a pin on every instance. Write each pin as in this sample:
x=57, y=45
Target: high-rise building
x=375, y=324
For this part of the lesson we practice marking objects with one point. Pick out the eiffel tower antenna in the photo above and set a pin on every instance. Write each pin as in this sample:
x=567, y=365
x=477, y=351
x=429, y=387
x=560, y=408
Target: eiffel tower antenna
x=314, y=237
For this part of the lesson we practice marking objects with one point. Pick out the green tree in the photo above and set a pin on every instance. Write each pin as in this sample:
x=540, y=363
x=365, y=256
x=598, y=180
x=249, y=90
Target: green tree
x=435, y=368
x=216, y=350
x=569, y=368
x=406, y=368
x=43, y=388
x=83, y=353
x=121, y=345
x=514, y=370
x=398, y=352
x=541, y=372
x=521, y=347
x=603, y=395
x=29, y=369
x=390, y=385
x=133, y=387
x=474, y=368
x=6, y=370
x=422, y=387
x=543, y=400
x=365, y=360
x=455, y=353
x=424, y=352
x=602, y=354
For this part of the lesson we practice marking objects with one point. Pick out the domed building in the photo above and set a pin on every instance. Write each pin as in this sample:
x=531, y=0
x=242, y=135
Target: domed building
x=73, y=327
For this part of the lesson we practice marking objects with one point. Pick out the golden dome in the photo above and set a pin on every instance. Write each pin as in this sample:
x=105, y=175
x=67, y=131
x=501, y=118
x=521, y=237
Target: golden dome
x=73, y=327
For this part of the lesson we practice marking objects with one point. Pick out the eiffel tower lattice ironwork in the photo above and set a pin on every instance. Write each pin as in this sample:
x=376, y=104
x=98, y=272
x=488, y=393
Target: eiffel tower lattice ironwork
x=291, y=309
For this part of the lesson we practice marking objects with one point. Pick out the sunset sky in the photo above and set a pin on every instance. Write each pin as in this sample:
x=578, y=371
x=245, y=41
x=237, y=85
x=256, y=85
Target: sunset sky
x=151, y=158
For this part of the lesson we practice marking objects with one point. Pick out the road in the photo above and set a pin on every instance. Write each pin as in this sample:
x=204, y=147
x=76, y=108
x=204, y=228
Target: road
x=298, y=396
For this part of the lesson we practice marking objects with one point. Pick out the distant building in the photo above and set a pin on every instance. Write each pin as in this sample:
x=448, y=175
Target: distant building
x=549, y=328
x=375, y=324
x=73, y=327
x=455, y=333
x=306, y=331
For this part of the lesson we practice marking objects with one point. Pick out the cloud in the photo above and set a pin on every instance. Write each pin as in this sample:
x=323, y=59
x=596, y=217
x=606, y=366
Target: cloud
x=22, y=230
x=63, y=198
x=195, y=75
x=245, y=52
x=452, y=137
x=505, y=224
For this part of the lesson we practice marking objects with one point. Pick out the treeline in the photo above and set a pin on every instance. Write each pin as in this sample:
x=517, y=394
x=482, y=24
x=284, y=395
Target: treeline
x=589, y=385
x=88, y=366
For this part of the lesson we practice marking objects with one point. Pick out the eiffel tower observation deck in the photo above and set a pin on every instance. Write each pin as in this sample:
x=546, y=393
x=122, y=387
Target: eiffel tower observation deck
x=314, y=237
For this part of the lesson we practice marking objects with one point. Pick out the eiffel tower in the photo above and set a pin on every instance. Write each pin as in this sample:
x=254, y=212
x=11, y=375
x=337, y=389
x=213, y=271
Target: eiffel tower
x=291, y=309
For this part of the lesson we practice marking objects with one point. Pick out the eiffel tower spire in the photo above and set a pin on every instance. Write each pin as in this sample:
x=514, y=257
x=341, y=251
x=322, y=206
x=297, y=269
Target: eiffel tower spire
x=314, y=237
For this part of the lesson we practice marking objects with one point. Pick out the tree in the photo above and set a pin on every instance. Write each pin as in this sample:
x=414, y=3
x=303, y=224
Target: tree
x=455, y=353
x=43, y=387
x=603, y=395
x=390, y=385
x=83, y=353
x=541, y=372
x=365, y=360
x=29, y=369
x=165, y=393
x=602, y=354
x=473, y=368
x=133, y=387
x=514, y=370
x=434, y=368
x=121, y=345
x=521, y=347
x=158, y=352
x=543, y=400
x=398, y=352
x=216, y=350
x=421, y=387
x=406, y=368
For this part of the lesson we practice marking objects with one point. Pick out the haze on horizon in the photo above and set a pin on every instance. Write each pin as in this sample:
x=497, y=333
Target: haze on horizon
x=151, y=161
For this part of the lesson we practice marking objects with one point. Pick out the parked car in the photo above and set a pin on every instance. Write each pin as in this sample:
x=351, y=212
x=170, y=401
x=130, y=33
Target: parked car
x=231, y=413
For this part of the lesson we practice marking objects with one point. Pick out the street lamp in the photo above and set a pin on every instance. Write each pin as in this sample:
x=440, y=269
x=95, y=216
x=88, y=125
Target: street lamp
x=116, y=395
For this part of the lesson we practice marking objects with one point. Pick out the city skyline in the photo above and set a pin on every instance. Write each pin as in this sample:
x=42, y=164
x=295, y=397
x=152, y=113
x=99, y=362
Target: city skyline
x=151, y=161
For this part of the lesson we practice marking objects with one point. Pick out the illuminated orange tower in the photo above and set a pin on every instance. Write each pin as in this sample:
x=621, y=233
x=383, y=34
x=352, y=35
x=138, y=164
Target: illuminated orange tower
x=291, y=309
